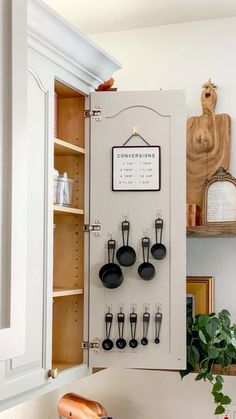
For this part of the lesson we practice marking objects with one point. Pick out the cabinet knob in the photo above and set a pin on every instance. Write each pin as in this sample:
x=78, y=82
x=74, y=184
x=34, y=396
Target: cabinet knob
x=53, y=373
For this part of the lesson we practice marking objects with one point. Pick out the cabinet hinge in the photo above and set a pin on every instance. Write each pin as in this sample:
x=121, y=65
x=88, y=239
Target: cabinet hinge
x=97, y=113
x=93, y=227
x=90, y=345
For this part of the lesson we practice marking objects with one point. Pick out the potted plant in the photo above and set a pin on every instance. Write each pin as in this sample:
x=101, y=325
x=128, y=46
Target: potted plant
x=211, y=345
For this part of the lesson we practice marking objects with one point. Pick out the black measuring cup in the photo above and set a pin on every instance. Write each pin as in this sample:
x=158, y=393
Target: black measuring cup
x=158, y=250
x=125, y=255
x=111, y=274
x=146, y=270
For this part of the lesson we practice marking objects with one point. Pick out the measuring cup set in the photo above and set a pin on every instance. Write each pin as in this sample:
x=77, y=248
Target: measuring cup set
x=121, y=342
x=111, y=274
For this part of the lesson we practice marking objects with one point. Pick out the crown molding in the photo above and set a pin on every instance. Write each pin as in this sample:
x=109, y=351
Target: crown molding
x=53, y=37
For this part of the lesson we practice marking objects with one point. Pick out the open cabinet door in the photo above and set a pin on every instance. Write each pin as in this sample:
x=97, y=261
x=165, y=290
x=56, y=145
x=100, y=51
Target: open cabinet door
x=13, y=177
x=140, y=184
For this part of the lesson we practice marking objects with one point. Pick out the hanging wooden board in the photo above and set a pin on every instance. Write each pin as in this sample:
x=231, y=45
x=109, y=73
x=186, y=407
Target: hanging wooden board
x=208, y=144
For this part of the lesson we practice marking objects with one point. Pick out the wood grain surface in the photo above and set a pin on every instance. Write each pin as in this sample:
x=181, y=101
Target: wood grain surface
x=208, y=144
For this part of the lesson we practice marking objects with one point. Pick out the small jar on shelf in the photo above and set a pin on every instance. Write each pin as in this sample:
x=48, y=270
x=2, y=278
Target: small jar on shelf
x=63, y=190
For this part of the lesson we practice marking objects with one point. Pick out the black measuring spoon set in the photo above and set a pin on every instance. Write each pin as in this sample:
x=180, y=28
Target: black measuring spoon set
x=111, y=274
x=121, y=343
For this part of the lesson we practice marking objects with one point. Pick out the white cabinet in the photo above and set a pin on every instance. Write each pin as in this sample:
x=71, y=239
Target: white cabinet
x=159, y=118
x=13, y=193
x=49, y=59
x=66, y=302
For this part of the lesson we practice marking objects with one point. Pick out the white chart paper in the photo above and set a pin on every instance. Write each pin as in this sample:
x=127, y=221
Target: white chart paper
x=221, y=202
x=136, y=168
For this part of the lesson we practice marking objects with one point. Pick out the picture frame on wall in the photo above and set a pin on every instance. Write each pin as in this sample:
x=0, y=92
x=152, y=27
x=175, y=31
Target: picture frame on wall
x=219, y=198
x=200, y=295
x=136, y=168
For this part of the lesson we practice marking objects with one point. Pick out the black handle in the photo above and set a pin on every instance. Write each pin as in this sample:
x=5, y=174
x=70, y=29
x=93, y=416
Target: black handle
x=121, y=322
x=125, y=227
x=133, y=324
x=159, y=227
x=108, y=322
x=158, y=321
x=111, y=245
x=145, y=247
x=146, y=321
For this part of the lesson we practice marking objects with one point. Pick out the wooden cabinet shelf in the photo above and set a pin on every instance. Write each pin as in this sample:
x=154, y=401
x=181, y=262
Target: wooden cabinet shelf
x=64, y=292
x=227, y=230
x=68, y=267
x=67, y=210
x=64, y=148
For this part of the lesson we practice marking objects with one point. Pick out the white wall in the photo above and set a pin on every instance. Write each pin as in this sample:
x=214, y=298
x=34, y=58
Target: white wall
x=184, y=56
x=180, y=56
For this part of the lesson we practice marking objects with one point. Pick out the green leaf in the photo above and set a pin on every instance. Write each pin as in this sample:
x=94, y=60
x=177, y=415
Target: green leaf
x=219, y=410
x=200, y=376
x=204, y=364
x=226, y=321
x=223, y=343
x=213, y=353
x=231, y=351
x=219, y=379
x=221, y=359
x=227, y=360
x=202, y=337
x=193, y=355
x=212, y=314
x=225, y=312
x=225, y=400
x=183, y=373
x=217, y=387
x=202, y=321
x=211, y=328
x=209, y=376
x=227, y=332
x=216, y=321
x=218, y=397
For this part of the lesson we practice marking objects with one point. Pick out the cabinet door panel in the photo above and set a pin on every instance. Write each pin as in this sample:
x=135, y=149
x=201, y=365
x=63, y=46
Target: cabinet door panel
x=13, y=190
x=37, y=121
x=160, y=118
x=28, y=371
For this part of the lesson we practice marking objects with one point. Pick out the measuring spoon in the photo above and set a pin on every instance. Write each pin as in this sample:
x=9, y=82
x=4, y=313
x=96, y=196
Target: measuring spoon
x=107, y=344
x=121, y=342
x=146, y=321
x=133, y=343
x=158, y=321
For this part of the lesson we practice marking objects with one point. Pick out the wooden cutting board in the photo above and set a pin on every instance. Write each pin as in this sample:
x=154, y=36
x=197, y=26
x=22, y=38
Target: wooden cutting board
x=208, y=144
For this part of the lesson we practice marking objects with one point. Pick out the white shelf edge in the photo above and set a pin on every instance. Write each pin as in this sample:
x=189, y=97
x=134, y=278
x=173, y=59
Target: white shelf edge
x=68, y=146
x=67, y=210
x=65, y=292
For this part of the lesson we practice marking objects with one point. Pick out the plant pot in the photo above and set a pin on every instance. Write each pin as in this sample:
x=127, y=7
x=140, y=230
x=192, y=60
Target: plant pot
x=219, y=370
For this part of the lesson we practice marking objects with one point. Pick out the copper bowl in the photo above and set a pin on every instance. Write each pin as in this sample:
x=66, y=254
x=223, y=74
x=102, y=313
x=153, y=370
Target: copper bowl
x=73, y=406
